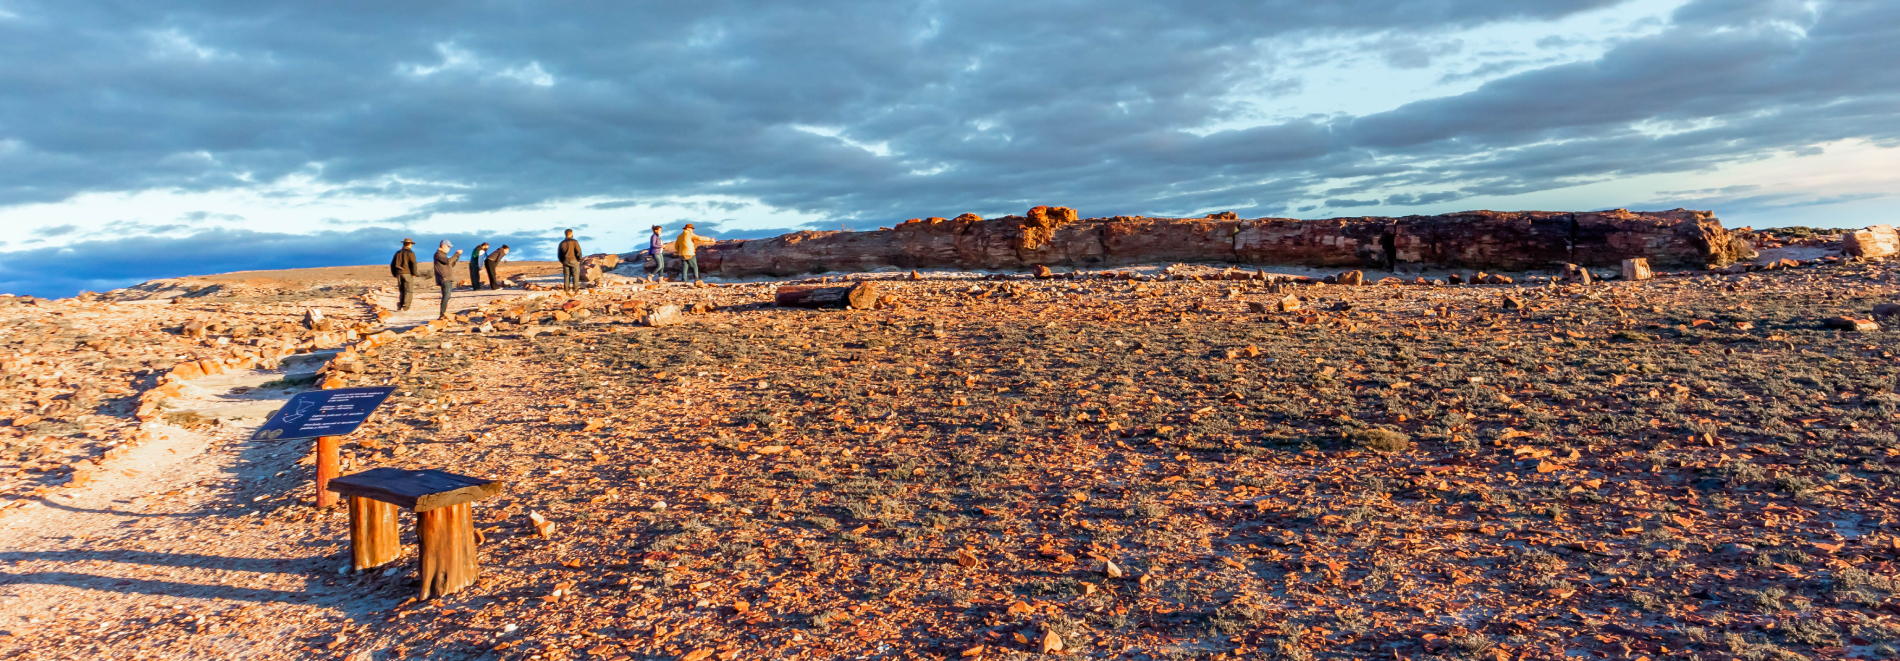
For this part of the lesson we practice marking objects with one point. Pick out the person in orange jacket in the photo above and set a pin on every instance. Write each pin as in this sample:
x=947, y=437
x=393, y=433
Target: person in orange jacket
x=685, y=247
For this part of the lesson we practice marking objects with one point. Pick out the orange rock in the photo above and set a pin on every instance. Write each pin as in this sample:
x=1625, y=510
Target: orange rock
x=187, y=371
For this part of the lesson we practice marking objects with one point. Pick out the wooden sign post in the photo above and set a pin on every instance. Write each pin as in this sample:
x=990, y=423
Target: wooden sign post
x=329, y=465
x=328, y=416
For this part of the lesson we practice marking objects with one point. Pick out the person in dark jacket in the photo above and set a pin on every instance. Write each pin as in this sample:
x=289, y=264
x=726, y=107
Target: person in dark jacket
x=475, y=267
x=445, y=275
x=403, y=266
x=570, y=254
x=494, y=262
x=656, y=248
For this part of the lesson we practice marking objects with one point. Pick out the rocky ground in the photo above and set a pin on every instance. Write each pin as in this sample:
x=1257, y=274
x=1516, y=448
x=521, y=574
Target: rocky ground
x=1688, y=467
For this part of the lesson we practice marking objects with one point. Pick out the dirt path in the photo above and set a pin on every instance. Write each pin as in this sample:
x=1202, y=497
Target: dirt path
x=429, y=301
x=202, y=530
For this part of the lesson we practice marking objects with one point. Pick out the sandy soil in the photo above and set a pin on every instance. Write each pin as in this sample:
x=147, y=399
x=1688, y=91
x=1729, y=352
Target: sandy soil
x=1692, y=467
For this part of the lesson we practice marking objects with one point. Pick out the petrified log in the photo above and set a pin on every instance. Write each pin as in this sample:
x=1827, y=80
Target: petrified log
x=1872, y=243
x=446, y=536
x=1526, y=240
x=858, y=296
x=374, y=541
x=1635, y=269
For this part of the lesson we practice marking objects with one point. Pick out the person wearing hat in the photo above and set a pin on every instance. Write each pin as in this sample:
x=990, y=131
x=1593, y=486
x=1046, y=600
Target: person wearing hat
x=445, y=274
x=656, y=248
x=494, y=262
x=403, y=266
x=570, y=254
x=684, y=246
x=475, y=267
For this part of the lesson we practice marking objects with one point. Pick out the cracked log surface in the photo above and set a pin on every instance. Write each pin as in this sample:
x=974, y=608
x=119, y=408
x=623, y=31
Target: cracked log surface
x=1476, y=239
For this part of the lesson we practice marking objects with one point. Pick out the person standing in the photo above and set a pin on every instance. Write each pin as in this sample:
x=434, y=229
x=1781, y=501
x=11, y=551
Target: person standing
x=475, y=267
x=570, y=254
x=494, y=262
x=403, y=266
x=685, y=248
x=656, y=248
x=445, y=275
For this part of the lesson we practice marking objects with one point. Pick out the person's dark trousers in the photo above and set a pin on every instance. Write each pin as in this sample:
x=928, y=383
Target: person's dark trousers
x=570, y=277
x=446, y=288
x=475, y=275
x=493, y=282
x=408, y=292
x=693, y=263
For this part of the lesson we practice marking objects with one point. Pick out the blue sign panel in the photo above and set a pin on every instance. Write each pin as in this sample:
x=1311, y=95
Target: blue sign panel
x=324, y=413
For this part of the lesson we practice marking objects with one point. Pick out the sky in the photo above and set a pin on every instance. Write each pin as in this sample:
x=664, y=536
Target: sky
x=143, y=139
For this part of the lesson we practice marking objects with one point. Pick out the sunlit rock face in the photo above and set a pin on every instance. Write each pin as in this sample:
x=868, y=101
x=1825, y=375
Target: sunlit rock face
x=1054, y=236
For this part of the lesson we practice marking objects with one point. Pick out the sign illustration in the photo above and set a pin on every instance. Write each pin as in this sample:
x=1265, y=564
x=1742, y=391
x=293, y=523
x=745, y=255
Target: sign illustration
x=324, y=413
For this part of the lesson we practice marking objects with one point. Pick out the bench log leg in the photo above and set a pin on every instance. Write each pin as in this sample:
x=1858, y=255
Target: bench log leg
x=374, y=540
x=447, y=538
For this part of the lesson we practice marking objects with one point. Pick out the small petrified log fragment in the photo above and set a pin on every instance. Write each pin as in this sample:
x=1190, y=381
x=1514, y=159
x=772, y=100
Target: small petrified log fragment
x=860, y=296
x=446, y=536
x=374, y=540
x=1636, y=269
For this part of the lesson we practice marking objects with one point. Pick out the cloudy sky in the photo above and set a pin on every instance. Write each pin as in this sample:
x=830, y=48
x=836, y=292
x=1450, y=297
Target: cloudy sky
x=153, y=138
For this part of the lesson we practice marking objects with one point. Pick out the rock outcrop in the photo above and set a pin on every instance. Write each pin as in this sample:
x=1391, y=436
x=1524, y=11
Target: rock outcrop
x=1055, y=236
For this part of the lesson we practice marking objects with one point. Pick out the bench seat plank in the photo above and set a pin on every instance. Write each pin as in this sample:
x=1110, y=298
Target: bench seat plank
x=419, y=490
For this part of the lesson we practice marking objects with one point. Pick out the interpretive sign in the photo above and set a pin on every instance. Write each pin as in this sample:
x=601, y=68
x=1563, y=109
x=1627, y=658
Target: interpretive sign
x=324, y=413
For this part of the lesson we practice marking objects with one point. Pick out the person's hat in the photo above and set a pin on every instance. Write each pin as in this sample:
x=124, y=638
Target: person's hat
x=408, y=242
x=689, y=226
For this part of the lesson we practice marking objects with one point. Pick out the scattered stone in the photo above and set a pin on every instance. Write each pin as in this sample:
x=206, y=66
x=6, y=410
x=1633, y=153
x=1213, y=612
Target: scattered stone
x=1851, y=324
x=1575, y=274
x=1288, y=304
x=1350, y=278
x=1380, y=440
x=664, y=315
x=1051, y=643
x=1887, y=310
x=1043, y=272
x=1512, y=303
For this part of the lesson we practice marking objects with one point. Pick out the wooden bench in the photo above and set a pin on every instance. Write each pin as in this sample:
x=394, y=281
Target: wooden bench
x=445, y=528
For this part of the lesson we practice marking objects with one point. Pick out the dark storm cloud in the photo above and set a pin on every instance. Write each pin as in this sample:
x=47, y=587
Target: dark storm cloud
x=1014, y=101
x=104, y=264
x=871, y=112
